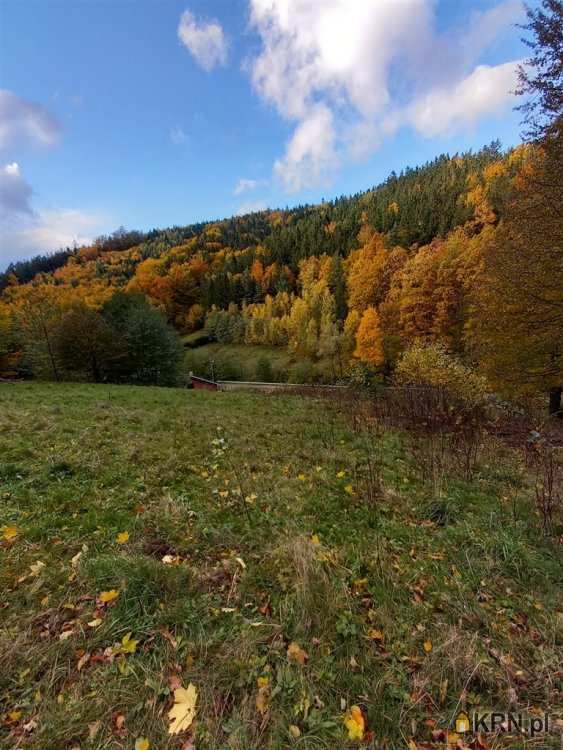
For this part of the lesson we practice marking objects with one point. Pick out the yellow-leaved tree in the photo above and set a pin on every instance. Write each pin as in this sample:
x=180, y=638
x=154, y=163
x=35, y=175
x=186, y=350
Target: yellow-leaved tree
x=369, y=339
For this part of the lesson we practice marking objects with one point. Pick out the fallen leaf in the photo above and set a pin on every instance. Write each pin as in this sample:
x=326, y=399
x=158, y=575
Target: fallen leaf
x=375, y=635
x=83, y=661
x=296, y=653
x=108, y=596
x=427, y=645
x=349, y=490
x=94, y=623
x=172, y=559
x=37, y=567
x=182, y=712
x=9, y=533
x=93, y=728
x=74, y=560
x=263, y=695
x=294, y=731
x=355, y=723
x=122, y=537
x=128, y=645
x=141, y=743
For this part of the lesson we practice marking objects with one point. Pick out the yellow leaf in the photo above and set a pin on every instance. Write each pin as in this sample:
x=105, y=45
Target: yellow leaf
x=294, y=731
x=355, y=723
x=74, y=560
x=296, y=653
x=427, y=645
x=108, y=596
x=128, y=645
x=375, y=635
x=182, y=712
x=141, y=743
x=263, y=695
x=94, y=623
x=9, y=533
x=36, y=567
x=341, y=474
x=349, y=490
x=122, y=537
x=302, y=477
x=315, y=540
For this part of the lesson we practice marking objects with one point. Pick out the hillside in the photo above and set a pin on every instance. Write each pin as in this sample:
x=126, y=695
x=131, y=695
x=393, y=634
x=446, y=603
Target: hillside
x=286, y=557
x=347, y=287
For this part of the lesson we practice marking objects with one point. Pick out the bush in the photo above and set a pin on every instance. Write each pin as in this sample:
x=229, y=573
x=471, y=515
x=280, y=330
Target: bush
x=430, y=364
x=302, y=372
x=264, y=372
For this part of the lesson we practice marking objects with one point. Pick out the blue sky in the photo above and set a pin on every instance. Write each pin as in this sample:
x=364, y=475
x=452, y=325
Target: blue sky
x=110, y=118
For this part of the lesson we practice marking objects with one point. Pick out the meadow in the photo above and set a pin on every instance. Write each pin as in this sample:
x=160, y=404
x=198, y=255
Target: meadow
x=289, y=562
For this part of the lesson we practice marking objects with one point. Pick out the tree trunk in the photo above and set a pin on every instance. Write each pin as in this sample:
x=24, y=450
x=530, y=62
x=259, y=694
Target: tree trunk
x=555, y=409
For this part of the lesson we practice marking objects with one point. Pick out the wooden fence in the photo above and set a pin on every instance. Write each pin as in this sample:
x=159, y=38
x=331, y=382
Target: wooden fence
x=200, y=383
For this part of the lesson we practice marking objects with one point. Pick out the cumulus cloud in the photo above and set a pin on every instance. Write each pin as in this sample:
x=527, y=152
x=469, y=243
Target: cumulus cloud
x=25, y=232
x=24, y=123
x=45, y=232
x=204, y=40
x=311, y=155
x=484, y=92
x=349, y=72
x=15, y=193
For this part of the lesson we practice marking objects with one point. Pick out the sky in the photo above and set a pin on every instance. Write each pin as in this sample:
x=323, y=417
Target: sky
x=153, y=113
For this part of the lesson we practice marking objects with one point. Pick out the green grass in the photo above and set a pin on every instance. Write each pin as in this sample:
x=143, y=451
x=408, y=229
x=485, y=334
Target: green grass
x=244, y=362
x=259, y=499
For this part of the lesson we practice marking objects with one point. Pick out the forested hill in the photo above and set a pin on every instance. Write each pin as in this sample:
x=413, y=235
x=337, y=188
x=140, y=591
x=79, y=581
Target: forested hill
x=412, y=207
x=441, y=255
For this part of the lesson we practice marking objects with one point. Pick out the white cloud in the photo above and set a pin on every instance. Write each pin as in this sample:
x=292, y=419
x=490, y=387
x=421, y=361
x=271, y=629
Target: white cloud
x=346, y=72
x=25, y=232
x=45, y=232
x=15, y=193
x=205, y=40
x=484, y=92
x=310, y=155
x=24, y=123
x=178, y=135
x=245, y=184
x=250, y=207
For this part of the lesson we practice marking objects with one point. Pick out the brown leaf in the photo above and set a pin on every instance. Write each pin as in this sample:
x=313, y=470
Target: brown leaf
x=296, y=653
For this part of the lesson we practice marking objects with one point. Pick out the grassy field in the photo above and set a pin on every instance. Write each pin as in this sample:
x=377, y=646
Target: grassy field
x=232, y=536
x=270, y=363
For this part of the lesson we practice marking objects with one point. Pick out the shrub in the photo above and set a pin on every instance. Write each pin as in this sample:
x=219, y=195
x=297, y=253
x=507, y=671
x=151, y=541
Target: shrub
x=430, y=364
x=264, y=371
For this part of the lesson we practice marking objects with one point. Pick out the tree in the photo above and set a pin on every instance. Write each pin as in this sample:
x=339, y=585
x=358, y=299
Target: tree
x=337, y=285
x=154, y=350
x=38, y=317
x=369, y=344
x=519, y=295
x=541, y=76
x=87, y=346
